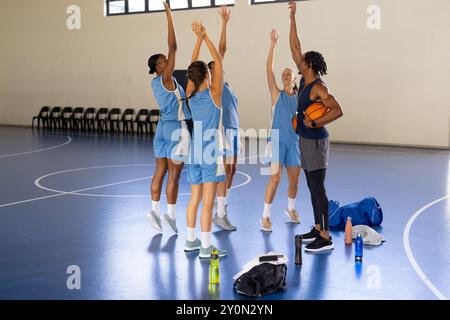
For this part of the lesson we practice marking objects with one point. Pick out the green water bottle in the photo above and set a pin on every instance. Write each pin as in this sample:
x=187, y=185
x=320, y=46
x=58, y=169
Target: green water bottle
x=214, y=274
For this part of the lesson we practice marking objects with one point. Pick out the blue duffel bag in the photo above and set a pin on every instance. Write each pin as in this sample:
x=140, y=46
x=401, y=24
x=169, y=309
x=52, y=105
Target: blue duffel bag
x=366, y=212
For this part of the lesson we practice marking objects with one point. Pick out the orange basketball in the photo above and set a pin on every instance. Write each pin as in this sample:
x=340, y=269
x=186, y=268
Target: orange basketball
x=316, y=111
x=294, y=122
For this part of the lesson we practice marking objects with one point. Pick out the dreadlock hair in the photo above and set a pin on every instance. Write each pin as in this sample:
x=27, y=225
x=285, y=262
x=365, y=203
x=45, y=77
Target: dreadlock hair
x=152, y=62
x=197, y=72
x=295, y=88
x=316, y=62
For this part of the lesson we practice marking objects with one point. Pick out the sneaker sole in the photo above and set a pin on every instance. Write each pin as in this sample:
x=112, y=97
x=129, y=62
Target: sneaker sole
x=308, y=240
x=292, y=221
x=154, y=223
x=191, y=249
x=265, y=229
x=208, y=256
x=168, y=224
x=330, y=247
x=225, y=228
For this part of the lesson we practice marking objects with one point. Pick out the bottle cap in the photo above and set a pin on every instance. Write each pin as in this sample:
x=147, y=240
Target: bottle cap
x=215, y=254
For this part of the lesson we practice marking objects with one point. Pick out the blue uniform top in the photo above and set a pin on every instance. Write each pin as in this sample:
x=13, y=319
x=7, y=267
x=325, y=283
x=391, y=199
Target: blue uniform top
x=284, y=112
x=206, y=117
x=304, y=102
x=230, y=103
x=169, y=101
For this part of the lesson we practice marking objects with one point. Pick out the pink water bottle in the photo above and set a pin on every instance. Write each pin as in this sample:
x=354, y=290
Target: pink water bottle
x=348, y=231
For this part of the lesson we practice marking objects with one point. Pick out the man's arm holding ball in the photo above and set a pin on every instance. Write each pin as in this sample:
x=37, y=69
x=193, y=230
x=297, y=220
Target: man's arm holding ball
x=320, y=93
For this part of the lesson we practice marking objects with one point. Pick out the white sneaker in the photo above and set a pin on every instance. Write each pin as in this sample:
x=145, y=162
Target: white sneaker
x=172, y=223
x=155, y=221
x=292, y=215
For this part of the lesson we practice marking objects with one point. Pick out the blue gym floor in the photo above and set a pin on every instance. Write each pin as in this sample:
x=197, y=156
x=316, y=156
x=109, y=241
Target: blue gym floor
x=80, y=199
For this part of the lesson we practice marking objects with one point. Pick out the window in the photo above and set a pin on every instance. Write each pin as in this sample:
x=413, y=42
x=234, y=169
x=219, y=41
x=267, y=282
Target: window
x=121, y=7
x=270, y=1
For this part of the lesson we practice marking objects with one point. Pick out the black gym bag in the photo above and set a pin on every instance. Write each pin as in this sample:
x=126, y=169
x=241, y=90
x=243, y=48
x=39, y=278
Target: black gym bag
x=268, y=275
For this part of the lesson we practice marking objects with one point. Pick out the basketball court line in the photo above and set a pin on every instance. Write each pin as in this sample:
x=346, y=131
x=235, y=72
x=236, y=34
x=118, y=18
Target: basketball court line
x=69, y=140
x=409, y=254
x=79, y=192
x=38, y=184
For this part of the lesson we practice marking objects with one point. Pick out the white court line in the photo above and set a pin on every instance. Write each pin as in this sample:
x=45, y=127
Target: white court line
x=38, y=150
x=62, y=193
x=38, y=184
x=77, y=192
x=409, y=254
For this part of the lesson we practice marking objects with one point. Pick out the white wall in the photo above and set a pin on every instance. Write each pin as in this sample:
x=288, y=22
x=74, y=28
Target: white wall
x=392, y=83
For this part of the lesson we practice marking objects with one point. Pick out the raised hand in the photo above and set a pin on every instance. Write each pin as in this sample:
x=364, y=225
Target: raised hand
x=274, y=37
x=225, y=13
x=198, y=29
x=166, y=6
x=293, y=7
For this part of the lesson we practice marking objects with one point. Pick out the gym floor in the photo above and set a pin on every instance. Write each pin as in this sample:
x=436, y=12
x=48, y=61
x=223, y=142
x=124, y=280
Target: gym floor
x=80, y=199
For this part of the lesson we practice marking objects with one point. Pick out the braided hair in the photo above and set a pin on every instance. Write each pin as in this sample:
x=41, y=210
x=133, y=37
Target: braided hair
x=316, y=62
x=197, y=72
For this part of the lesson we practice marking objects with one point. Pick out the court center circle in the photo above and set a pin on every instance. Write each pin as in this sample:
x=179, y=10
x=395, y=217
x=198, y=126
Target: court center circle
x=82, y=192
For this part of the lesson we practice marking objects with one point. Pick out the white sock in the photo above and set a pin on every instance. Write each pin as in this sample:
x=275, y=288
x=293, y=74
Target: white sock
x=156, y=206
x=171, y=211
x=191, y=234
x=221, y=206
x=206, y=239
x=228, y=195
x=266, y=212
x=291, y=204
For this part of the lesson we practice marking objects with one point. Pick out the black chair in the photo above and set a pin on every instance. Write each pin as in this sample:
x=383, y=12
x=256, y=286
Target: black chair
x=77, y=118
x=43, y=117
x=66, y=118
x=153, y=119
x=127, y=121
x=88, y=122
x=114, y=120
x=101, y=119
x=141, y=121
x=55, y=118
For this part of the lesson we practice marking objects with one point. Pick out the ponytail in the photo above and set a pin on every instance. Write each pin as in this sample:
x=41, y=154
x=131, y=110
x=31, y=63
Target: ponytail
x=197, y=73
x=152, y=62
x=194, y=92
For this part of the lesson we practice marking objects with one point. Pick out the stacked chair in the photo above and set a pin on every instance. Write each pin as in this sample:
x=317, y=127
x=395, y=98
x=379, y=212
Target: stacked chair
x=66, y=118
x=127, y=121
x=88, y=122
x=98, y=120
x=43, y=117
x=77, y=118
x=101, y=120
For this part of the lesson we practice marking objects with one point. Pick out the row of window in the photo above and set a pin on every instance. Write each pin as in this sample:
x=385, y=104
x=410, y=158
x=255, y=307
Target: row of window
x=121, y=7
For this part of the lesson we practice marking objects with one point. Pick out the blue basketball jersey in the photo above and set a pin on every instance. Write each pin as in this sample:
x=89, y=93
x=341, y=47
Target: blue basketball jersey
x=206, y=117
x=284, y=112
x=169, y=101
x=230, y=104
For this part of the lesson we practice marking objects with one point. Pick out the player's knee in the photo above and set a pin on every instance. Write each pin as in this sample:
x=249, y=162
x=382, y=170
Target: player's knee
x=231, y=170
x=275, y=179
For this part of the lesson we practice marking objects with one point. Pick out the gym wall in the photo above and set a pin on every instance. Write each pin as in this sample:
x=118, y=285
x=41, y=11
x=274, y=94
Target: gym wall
x=392, y=82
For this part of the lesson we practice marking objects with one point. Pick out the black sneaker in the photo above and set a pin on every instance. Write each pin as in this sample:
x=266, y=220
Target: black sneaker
x=310, y=236
x=320, y=244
